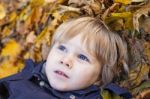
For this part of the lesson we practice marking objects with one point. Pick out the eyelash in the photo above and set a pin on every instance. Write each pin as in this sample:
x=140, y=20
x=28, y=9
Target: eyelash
x=61, y=47
x=83, y=57
x=80, y=56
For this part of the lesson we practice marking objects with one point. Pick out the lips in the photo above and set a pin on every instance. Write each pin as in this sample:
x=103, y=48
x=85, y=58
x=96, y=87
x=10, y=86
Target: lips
x=61, y=73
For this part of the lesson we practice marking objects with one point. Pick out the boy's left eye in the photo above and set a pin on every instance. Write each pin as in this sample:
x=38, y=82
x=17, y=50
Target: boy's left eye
x=61, y=47
x=83, y=57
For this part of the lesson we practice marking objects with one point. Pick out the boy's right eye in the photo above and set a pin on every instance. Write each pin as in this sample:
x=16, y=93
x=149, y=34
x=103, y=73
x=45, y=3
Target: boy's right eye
x=62, y=47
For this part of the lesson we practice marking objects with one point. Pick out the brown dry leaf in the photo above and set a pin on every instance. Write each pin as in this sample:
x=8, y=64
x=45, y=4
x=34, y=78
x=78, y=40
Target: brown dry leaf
x=91, y=7
x=108, y=11
x=30, y=38
x=67, y=12
x=141, y=88
x=147, y=49
x=139, y=69
x=144, y=94
x=136, y=16
x=77, y=2
x=139, y=74
x=138, y=0
x=45, y=51
x=145, y=25
x=36, y=15
x=55, y=1
x=50, y=1
x=35, y=54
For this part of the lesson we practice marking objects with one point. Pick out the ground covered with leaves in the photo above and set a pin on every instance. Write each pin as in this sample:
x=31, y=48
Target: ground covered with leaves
x=27, y=26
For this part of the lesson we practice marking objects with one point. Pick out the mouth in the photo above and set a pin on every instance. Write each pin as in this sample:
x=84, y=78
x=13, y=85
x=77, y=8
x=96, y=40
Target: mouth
x=61, y=73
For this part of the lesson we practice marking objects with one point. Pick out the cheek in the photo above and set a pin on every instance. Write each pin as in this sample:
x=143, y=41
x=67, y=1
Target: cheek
x=87, y=73
x=53, y=56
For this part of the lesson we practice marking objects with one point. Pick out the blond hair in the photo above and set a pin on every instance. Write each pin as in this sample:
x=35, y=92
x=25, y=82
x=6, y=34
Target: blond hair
x=108, y=47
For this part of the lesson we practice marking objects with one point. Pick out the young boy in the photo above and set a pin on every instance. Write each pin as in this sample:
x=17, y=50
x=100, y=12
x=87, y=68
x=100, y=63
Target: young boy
x=83, y=58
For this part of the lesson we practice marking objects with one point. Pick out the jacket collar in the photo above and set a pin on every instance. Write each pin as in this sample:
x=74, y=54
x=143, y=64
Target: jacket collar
x=38, y=72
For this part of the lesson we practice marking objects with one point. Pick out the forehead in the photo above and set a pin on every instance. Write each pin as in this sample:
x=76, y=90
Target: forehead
x=72, y=28
x=77, y=42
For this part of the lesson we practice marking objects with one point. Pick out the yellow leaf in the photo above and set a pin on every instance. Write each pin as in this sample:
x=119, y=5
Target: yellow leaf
x=25, y=13
x=8, y=68
x=41, y=37
x=123, y=1
x=109, y=95
x=121, y=15
x=36, y=3
x=11, y=49
x=12, y=16
x=105, y=94
x=6, y=32
x=27, y=55
x=2, y=12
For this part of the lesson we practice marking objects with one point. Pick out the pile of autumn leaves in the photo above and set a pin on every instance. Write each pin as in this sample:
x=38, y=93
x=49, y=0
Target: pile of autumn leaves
x=26, y=28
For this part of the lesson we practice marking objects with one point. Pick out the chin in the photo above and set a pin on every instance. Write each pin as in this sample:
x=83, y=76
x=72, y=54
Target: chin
x=60, y=87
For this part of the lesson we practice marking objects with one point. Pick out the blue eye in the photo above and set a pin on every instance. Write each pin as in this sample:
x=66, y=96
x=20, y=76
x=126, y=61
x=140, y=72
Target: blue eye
x=61, y=47
x=83, y=57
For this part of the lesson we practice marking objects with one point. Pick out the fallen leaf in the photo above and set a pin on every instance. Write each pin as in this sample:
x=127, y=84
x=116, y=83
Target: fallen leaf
x=30, y=38
x=144, y=85
x=123, y=1
x=12, y=16
x=144, y=94
x=9, y=68
x=6, y=32
x=136, y=16
x=2, y=11
x=11, y=49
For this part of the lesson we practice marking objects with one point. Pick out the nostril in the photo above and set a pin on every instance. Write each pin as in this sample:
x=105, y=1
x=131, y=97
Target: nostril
x=61, y=62
x=67, y=65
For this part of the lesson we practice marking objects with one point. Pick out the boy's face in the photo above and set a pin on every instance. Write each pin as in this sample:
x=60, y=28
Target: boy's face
x=70, y=67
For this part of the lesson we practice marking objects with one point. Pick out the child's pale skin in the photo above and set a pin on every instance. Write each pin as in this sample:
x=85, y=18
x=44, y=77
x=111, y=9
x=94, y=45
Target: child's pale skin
x=70, y=67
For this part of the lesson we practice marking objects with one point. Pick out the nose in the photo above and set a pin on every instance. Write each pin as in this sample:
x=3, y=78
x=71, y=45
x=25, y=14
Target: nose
x=67, y=61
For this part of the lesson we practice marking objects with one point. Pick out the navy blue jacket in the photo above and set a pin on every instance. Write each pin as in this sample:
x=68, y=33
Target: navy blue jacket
x=31, y=83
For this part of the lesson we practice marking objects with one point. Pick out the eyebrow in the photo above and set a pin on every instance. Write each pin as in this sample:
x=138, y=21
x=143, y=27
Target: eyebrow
x=83, y=50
